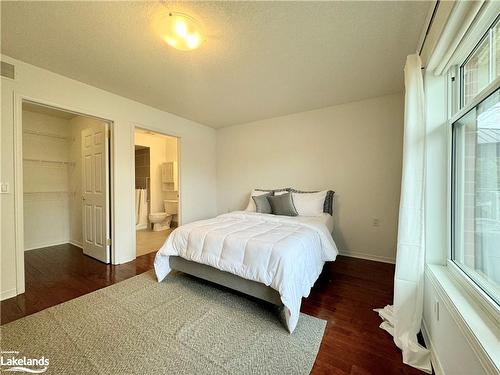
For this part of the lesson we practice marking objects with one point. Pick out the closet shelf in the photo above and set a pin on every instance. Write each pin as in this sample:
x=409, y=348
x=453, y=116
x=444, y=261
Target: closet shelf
x=45, y=134
x=48, y=192
x=49, y=161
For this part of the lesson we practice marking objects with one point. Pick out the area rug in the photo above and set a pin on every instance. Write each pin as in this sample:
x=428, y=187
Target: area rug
x=182, y=325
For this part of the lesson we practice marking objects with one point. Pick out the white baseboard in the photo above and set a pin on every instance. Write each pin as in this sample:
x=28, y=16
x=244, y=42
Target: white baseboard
x=359, y=255
x=76, y=243
x=39, y=246
x=7, y=294
x=436, y=364
x=123, y=260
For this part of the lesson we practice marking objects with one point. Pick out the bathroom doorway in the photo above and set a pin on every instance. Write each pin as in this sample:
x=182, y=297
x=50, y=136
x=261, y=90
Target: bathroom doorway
x=156, y=189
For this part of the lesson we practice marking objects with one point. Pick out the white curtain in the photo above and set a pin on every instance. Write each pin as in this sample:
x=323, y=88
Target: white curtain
x=404, y=318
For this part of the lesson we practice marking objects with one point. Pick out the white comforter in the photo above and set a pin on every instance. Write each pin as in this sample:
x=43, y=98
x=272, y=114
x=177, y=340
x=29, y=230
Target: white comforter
x=282, y=252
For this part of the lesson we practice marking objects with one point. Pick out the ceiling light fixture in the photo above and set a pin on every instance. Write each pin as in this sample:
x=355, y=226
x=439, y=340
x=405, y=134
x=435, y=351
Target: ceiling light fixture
x=181, y=31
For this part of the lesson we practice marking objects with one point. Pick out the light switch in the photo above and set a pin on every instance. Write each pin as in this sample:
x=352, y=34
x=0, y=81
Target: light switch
x=4, y=187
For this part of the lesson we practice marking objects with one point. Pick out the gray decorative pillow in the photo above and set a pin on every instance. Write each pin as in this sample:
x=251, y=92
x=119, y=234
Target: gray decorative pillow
x=282, y=205
x=328, y=205
x=262, y=204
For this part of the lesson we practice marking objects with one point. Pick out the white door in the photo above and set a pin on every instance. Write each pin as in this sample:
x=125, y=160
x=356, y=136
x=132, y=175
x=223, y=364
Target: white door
x=95, y=201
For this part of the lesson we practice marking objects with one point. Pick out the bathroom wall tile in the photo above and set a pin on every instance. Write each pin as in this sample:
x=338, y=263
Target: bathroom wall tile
x=139, y=160
x=142, y=171
x=140, y=183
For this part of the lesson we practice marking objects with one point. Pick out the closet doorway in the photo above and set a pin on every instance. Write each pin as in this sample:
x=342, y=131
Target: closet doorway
x=66, y=183
x=156, y=189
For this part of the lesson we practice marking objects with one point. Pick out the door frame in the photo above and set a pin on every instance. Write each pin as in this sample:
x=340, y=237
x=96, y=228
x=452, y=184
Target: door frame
x=179, y=170
x=19, y=99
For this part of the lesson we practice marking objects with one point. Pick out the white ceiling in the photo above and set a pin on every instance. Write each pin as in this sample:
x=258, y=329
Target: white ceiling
x=260, y=59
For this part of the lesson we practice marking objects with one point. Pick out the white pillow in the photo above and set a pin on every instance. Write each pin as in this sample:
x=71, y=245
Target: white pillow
x=280, y=192
x=251, y=204
x=309, y=204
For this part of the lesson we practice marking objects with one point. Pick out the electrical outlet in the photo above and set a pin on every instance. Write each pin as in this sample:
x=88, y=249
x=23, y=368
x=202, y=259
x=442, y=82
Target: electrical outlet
x=4, y=187
x=376, y=222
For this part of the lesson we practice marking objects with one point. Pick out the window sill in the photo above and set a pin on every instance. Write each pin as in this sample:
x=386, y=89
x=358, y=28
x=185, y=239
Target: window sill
x=478, y=326
x=474, y=290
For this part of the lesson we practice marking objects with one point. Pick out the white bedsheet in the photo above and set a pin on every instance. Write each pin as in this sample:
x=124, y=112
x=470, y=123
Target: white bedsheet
x=324, y=218
x=285, y=253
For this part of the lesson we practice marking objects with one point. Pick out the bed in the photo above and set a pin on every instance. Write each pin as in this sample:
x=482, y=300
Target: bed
x=271, y=257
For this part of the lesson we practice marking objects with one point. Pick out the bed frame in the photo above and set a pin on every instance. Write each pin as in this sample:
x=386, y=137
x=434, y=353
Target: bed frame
x=226, y=279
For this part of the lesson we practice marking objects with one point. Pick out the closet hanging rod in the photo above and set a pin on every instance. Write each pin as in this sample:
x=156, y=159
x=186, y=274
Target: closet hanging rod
x=45, y=134
x=49, y=192
x=49, y=161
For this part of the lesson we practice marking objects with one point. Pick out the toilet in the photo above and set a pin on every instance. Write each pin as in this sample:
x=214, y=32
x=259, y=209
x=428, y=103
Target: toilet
x=162, y=220
x=158, y=221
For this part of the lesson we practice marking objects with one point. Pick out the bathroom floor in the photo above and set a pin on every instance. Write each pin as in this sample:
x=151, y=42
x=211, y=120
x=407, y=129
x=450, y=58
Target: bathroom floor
x=148, y=241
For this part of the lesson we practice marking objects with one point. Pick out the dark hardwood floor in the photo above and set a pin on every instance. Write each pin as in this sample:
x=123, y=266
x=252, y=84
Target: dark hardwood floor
x=345, y=295
x=57, y=274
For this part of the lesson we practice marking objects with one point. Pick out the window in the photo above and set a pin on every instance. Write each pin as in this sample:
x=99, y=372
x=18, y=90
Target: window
x=476, y=72
x=482, y=66
x=476, y=194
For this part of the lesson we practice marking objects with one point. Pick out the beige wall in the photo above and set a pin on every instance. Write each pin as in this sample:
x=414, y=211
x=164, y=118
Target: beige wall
x=197, y=157
x=171, y=151
x=354, y=149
